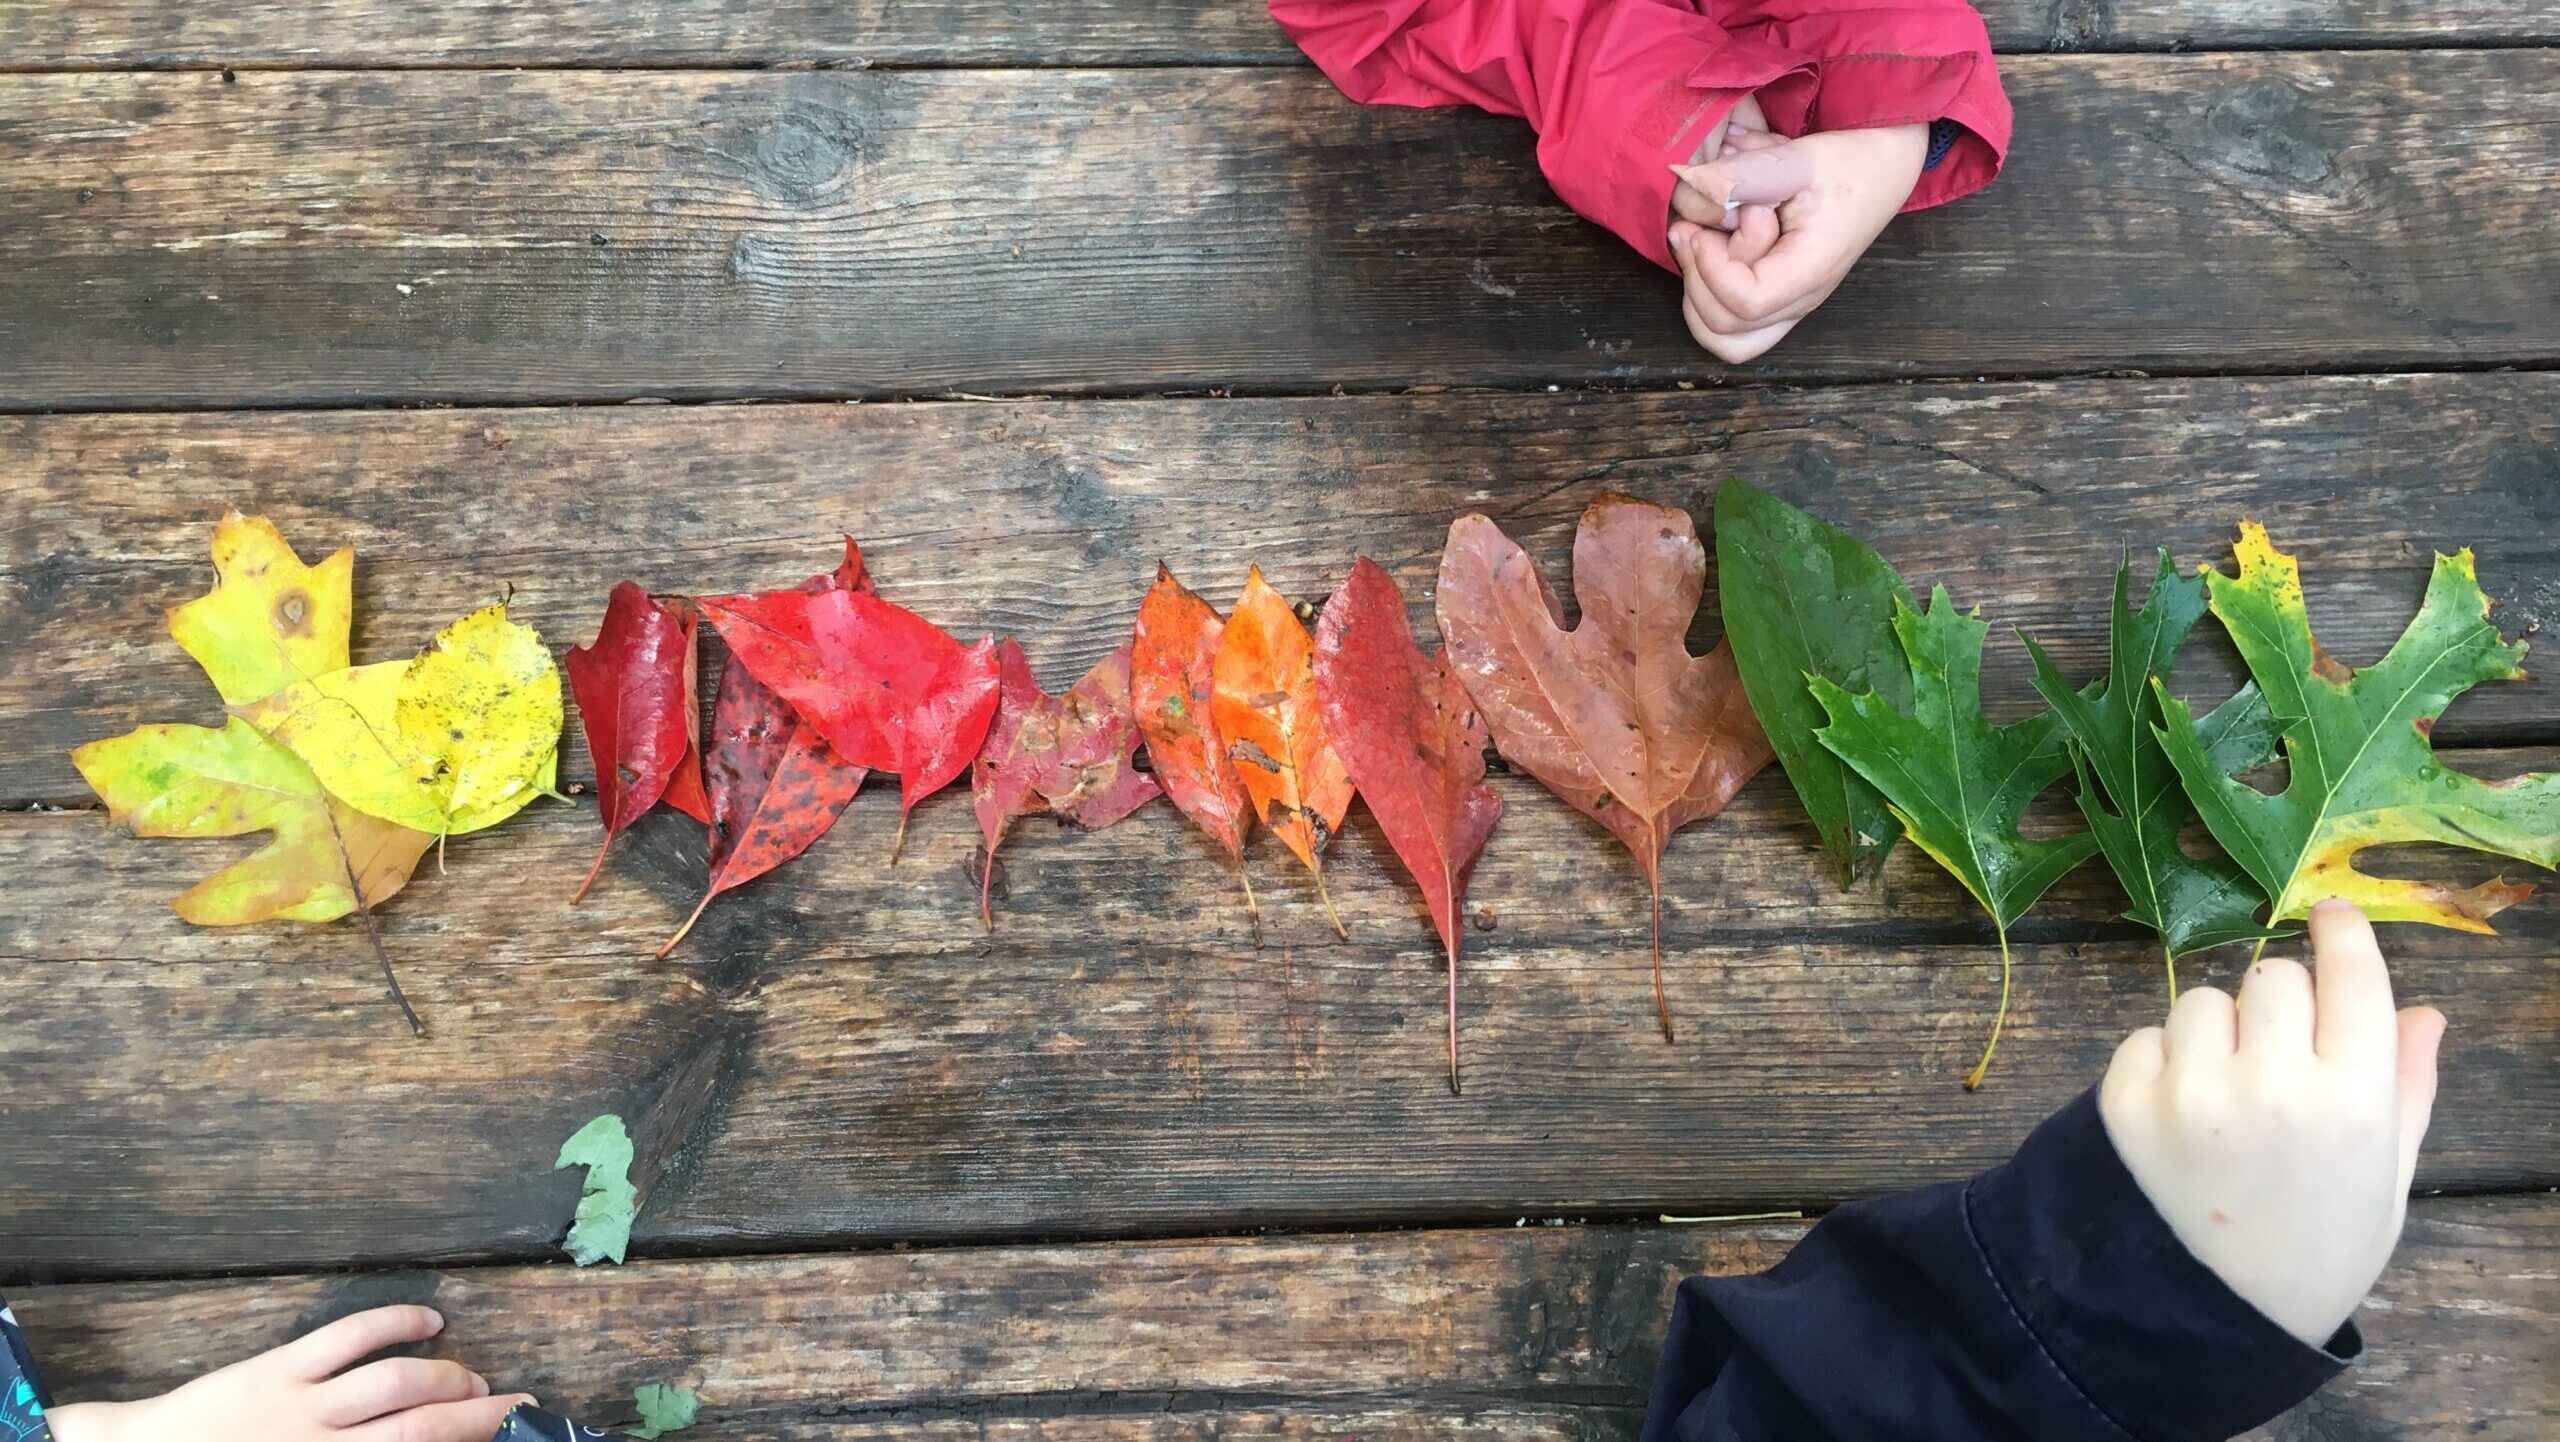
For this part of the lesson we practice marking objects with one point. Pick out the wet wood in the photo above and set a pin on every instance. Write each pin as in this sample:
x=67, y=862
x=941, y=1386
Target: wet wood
x=332, y=237
x=841, y=1055
x=116, y=34
x=1484, y=1335
x=1044, y=520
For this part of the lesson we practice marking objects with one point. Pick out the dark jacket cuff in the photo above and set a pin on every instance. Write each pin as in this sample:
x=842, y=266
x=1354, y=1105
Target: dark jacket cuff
x=532, y=1424
x=2145, y=1332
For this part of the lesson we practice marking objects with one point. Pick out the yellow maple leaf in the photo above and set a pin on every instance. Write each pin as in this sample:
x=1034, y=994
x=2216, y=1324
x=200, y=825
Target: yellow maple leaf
x=270, y=621
x=459, y=739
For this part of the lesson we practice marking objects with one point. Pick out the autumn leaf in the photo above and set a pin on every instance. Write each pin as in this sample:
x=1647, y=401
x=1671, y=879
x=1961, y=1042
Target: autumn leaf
x=888, y=689
x=607, y=1201
x=1262, y=697
x=270, y=621
x=635, y=690
x=2193, y=902
x=1957, y=783
x=1801, y=598
x=459, y=739
x=1615, y=715
x=1069, y=755
x=1172, y=669
x=1413, y=745
x=775, y=785
x=195, y=781
x=2362, y=771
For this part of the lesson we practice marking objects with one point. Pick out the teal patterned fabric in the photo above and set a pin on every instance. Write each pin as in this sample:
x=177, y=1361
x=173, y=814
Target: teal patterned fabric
x=22, y=1398
x=532, y=1424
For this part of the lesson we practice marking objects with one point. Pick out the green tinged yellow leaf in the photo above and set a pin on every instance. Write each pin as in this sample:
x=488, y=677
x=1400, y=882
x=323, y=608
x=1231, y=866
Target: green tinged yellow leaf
x=194, y=781
x=270, y=621
x=452, y=742
x=607, y=1201
x=2361, y=771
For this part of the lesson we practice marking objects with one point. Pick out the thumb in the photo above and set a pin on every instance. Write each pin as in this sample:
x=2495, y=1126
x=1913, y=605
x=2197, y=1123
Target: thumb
x=2421, y=1030
x=1770, y=176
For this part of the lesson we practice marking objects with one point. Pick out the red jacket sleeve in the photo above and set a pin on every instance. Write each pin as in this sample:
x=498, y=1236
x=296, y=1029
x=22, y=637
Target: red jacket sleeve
x=1619, y=90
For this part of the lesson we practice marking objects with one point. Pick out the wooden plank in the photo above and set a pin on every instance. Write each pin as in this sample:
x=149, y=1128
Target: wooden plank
x=1492, y=1334
x=840, y=1054
x=119, y=34
x=329, y=237
x=1043, y=519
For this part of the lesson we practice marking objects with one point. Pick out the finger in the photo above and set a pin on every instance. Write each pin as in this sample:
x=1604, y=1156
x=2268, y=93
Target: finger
x=1740, y=346
x=1765, y=290
x=1758, y=175
x=350, y=1340
x=2421, y=1035
x=1755, y=230
x=395, y=1384
x=2138, y=1062
x=2203, y=1029
x=1689, y=204
x=2275, y=1009
x=477, y=1420
x=2357, y=1022
x=1746, y=140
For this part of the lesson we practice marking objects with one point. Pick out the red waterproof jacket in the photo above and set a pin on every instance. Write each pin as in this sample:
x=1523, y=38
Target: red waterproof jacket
x=1618, y=90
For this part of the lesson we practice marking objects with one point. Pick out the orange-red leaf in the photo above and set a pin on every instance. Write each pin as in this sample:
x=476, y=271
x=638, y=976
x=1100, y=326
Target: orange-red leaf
x=1067, y=754
x=1413, y=744
x=1263, y=698
x=1615, y=715
x=1171, y=658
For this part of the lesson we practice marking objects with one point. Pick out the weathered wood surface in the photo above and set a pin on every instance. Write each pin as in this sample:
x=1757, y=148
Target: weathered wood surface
x=117, y=34
x=1044, y=519
x=840, y=1054
x=1485, y=1335
x=329, y=237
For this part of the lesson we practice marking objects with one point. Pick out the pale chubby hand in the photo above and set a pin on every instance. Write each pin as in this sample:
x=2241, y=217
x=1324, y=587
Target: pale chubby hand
x=2277, y=1136
x=1829, y=195
x=311, y=1390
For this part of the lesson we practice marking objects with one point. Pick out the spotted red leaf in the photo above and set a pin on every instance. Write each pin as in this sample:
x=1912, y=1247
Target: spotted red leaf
x=1069, y=754
x=636, y=697
x=1414, y=745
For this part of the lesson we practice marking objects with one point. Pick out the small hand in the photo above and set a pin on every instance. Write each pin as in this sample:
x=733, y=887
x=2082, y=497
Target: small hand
x=1834, y=193
x=304, y=1391
x=2277, y=1136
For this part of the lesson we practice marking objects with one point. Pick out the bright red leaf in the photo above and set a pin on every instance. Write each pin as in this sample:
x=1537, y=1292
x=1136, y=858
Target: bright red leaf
x=1414, y=746
x=1068, y=755
x=1172, y=660
x=635, y=695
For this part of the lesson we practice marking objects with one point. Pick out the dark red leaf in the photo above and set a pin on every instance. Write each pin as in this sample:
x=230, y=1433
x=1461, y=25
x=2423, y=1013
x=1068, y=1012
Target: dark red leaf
x=1068, y=755
x=635, y=694
x=1411, y=739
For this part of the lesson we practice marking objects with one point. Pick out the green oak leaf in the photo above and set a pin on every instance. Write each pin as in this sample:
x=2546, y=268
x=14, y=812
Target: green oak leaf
x=2128, y=790
x=1957, y=783
x=1802, y=598
x=664, y=1409
x=607, y=1200
x=2361, y=769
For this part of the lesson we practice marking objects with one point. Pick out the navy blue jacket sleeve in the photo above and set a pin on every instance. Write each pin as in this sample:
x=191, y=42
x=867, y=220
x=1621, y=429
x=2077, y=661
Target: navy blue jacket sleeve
x=2042, y=1301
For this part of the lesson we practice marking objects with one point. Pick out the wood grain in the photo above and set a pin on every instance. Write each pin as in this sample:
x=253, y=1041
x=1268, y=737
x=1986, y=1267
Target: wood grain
x=332, y=237
x=1043, y=519
x=117, y=34
x=841, y=1055
x=1484, y=1336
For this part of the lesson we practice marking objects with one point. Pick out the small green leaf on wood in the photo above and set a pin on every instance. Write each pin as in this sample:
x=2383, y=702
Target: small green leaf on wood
x=665, y=1409
x=607, y=1200
x=1957, y=783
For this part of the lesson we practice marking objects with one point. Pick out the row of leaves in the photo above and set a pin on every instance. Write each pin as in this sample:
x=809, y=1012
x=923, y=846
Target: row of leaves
x=1869, y=701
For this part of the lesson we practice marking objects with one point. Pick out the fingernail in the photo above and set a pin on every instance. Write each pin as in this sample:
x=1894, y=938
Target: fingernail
x=479, y=1385
x=2333, y=903
x=435, y=1320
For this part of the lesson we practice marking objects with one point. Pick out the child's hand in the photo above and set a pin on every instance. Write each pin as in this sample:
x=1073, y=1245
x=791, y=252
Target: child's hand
x=1832, y=193
x=304, y=1392
x=2277, y=1137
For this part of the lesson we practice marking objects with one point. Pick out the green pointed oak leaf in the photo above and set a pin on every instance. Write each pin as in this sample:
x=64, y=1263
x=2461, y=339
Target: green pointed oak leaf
x=175, y=780
x=459, y=739
x=2361, y=770
x=665, y=1409
x=2128, y=790
x=607, y=1200
x=1957, y=783
x=1802, y=598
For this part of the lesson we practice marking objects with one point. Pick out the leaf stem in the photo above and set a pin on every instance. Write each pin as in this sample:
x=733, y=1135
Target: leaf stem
x=681, y=931
x=1453, y=1005
x=2171, y=956
x=373, y=928
x=1973, y=1079
x=898, y=844
x=986, y=879
x=1252, y=906
x=2261, y=951
x=1327, y=898
x=593, y=871
x=1661, y=1002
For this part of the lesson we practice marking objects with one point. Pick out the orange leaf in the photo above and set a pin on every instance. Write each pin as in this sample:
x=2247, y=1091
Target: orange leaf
x=1263, y=701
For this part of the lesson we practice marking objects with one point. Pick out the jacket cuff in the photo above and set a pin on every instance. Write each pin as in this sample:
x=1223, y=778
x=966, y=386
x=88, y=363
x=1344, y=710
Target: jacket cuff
x=1643, y=100
x=532, y=1424
x=2146, y=1334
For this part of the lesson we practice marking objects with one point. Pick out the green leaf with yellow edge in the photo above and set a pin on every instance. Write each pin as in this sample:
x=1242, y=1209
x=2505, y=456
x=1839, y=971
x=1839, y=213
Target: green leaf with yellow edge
x=197, y=781
x=270, y=621
x=457, y=740
x=1957, y=783
x=2361, y=769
